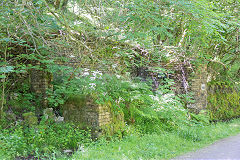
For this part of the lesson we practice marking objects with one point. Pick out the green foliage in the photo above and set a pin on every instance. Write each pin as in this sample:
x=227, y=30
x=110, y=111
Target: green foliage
x=223, y=101
x=43, y=141
x=21, y=100
x=166, y=113
x=201, y=118
x=26, y=31
x=148, y=111
x=106, y=87
x=117, y=38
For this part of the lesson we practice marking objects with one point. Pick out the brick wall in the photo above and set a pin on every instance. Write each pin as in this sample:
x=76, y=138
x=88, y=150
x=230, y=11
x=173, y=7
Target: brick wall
x=83, y=111
x=199, y=88
x=190, y=80
x=40, y=81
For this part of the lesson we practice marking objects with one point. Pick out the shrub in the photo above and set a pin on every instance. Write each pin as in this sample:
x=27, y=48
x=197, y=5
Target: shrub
x=42, y=140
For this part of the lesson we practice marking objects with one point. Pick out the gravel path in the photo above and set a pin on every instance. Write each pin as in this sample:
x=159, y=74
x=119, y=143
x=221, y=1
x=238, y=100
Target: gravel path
x=228, y=148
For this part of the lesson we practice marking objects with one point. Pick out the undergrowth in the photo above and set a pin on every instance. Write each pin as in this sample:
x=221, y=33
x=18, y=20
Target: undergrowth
x=41, y=141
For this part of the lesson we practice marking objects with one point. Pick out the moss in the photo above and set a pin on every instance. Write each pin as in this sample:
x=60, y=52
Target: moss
x=223, y=102
x=16, y=105
x=77, y=100
x=116, y=127
x=30, y=119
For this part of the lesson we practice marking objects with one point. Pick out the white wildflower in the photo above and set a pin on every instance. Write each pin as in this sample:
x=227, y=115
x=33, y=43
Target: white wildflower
x=81, y=148
x=86, y=74
x=71, y=56
x=92, y=78
x=114, y=65
x=92, y=85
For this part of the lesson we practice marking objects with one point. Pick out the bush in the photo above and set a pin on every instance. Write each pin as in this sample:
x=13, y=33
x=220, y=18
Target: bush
x=42, y=140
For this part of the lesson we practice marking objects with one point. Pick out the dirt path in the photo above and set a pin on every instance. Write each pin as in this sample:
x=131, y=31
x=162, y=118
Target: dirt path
x=228, y=148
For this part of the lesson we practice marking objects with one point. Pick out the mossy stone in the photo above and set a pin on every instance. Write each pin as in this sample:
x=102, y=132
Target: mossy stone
x=116, y=127
x=77, y=100
x=85, y=112
x=30, y=119
x=48, y=113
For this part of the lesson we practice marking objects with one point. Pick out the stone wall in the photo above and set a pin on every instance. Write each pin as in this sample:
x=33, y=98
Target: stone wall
x=199, y=88
x=86, y=113
x=83, y=110
x=40, y=82
x=79, y=109
x=190, y=80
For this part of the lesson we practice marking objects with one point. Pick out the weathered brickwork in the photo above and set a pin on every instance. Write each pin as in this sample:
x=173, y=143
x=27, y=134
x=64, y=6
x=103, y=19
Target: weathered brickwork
x=191, y=80
x=40, y=82
x=83, y=111
x=199, y=88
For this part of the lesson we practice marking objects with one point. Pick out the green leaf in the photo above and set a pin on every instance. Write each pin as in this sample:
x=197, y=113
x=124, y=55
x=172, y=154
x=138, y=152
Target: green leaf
x=5, y=39
x=2, y=76
x=6, y=69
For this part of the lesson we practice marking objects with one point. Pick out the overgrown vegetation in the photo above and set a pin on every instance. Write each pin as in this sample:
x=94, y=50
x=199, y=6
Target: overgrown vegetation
x=223, y=101
x=118, y=52
x=42, y=141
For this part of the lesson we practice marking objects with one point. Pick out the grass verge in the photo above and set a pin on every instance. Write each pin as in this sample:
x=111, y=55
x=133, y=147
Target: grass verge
x=163, y=145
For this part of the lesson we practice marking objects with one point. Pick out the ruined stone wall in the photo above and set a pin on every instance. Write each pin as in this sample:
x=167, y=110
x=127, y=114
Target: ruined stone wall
x=80, y=109
x=189, y=80
x=40, y=82
x=83, y=111
x=199, y=88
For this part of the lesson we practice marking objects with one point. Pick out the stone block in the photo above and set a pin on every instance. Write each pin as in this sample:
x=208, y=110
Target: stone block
x=83, y=111
x=48, y=113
